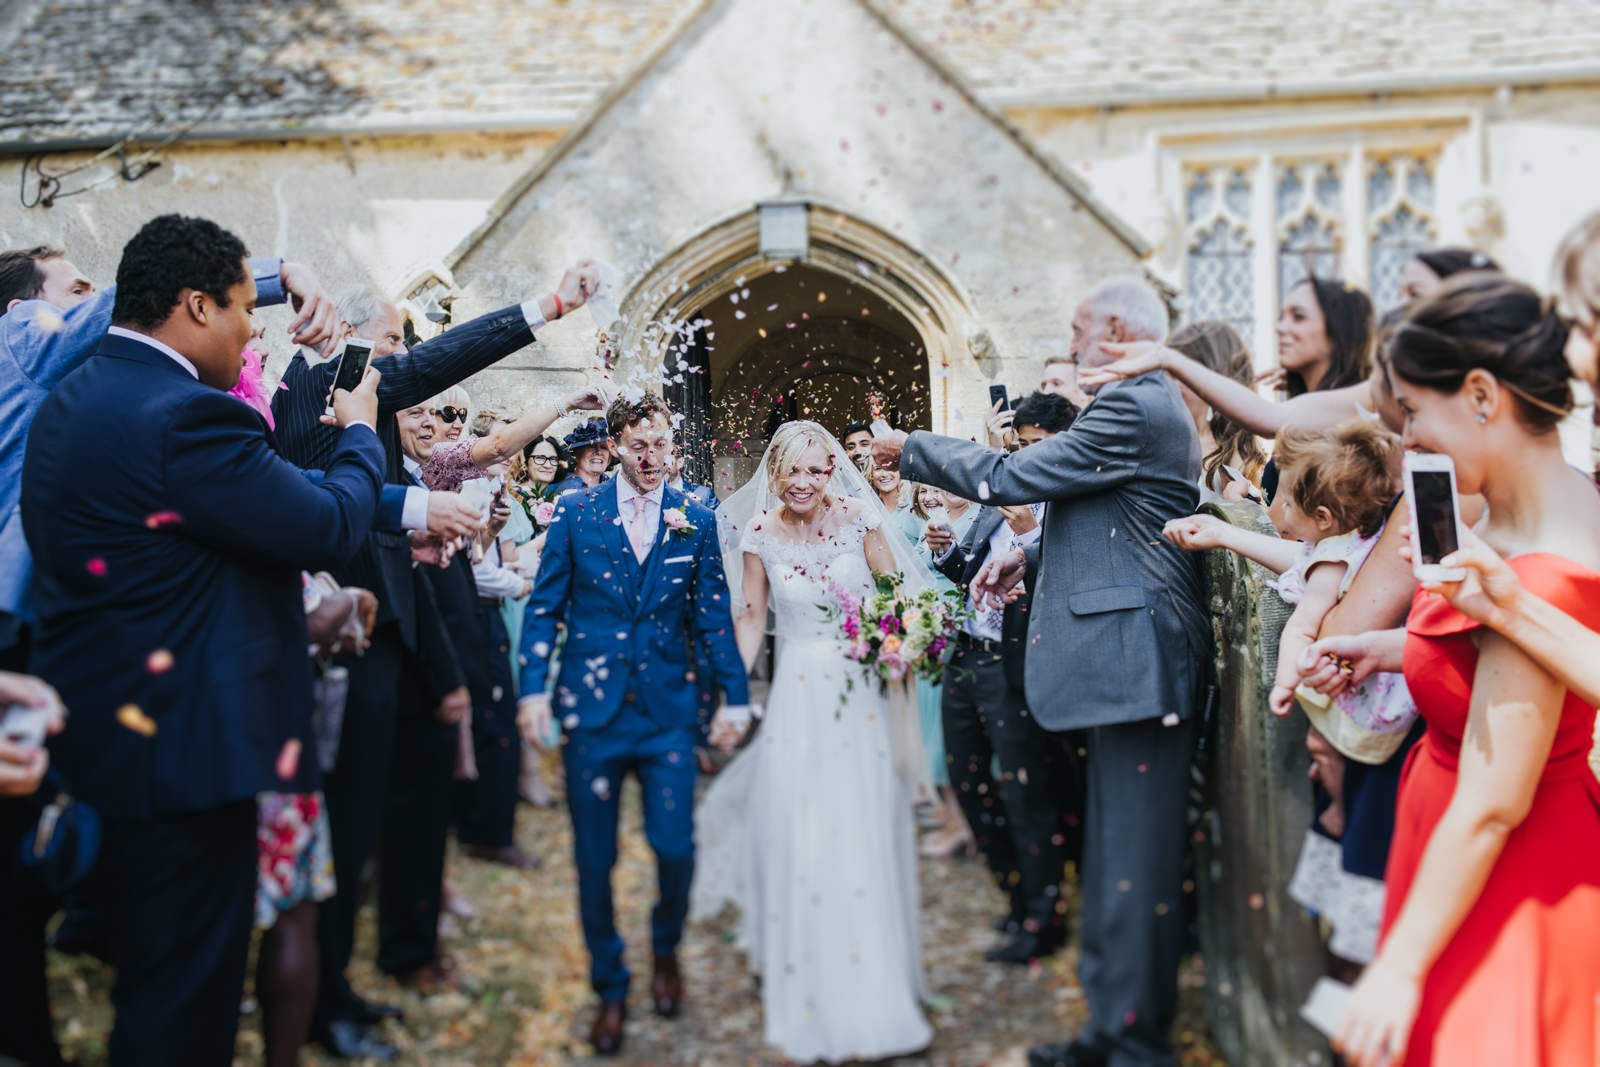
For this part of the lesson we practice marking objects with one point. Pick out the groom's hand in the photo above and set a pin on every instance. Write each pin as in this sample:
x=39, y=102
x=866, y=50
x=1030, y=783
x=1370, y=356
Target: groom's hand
x=533, y=720
x=886, y=450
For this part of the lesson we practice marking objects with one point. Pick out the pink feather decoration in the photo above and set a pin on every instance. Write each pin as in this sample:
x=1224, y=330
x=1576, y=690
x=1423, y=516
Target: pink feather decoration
x=251, y=388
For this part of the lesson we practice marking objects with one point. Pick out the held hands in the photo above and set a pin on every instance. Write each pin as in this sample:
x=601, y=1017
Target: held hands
x=999, y=581
x=533, y=720
x=1196, y=533
x=316, y=319
x=1133, y=359
x=357, y=405
x=499, y=515
x=1377, y=1021
x=886, y=450
x=729, y=726
x=454, y=705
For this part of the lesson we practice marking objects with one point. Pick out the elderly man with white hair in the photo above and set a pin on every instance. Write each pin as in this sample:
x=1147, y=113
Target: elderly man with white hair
x=1116, y=641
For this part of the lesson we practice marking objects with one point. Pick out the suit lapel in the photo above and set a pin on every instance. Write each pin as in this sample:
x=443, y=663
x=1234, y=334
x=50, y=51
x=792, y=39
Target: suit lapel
x=609, y=511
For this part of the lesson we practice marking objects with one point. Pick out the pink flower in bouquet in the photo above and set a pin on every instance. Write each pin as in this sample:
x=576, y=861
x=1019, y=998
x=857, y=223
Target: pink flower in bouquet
x=852, y=626
x=889, y=624
x=544, y=512
x=893, y=665
x=858, y=650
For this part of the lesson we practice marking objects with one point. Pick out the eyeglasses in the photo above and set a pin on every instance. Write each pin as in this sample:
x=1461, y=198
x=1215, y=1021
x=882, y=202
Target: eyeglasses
x=543, y=461
x=451, y=414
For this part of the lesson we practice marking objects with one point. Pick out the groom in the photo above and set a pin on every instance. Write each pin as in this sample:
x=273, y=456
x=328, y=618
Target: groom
x=633, y=570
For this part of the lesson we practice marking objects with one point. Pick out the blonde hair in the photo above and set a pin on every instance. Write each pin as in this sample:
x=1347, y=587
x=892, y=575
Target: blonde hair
x=792, y=439
x=1577, y=270
x=1352, y=469
x=456, y=396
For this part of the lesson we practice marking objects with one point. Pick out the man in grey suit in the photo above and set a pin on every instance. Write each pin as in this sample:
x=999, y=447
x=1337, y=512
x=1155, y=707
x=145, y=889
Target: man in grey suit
x=1117, y=638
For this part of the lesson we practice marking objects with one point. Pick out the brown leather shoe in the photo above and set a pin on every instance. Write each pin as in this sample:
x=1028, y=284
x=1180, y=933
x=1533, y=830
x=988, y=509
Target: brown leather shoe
x=606, y=1034
x=505, y=855
x=666, y=988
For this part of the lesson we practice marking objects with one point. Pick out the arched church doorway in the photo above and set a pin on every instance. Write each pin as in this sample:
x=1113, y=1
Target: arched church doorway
x=861, y=327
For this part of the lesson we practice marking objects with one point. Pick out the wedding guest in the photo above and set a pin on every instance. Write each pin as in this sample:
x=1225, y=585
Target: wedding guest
x=1026, y=820
x=458, y=457
x=892, y=493
x=1061, y=378
x=408, y=624
x=27, y=1033
x=941, y=510
x=1494, y=878
x=1107, y=581
x=1232, y=460
x=857, y=440
x=208, y=523
x=591, y=456
x=703, y=493
x=1427, y=270
x=51, y=318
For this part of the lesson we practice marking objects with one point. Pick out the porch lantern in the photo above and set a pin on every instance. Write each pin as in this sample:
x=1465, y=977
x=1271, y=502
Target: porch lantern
x=784, y=230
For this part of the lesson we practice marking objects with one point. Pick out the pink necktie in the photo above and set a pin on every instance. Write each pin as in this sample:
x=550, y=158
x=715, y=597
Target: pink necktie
x=637, y=535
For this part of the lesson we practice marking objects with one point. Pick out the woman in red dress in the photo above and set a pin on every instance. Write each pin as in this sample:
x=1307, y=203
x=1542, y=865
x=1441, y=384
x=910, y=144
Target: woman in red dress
x=1493, y=911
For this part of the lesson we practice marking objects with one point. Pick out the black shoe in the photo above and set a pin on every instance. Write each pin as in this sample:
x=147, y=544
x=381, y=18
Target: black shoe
x=346, y=1039
x=1067, y=1054
x=1024, y=949
x=370, y=1012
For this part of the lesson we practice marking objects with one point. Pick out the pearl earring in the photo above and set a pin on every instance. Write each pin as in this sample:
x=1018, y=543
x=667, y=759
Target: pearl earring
x=1482, y=418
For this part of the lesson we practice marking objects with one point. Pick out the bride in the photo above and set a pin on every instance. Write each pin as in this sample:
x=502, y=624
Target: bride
x=809, y=830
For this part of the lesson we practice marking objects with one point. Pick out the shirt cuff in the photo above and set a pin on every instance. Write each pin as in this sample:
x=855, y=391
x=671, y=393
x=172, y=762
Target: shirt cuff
x=946, y=554
x=414, y=513
x=535, y=317
x=268, y=275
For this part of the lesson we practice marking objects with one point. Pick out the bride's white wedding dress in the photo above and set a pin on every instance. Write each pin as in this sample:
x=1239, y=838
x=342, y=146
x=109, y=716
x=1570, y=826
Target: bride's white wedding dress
x=809, y=830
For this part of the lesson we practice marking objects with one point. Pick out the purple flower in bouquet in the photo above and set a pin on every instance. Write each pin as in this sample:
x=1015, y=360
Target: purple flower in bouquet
x=889, y=624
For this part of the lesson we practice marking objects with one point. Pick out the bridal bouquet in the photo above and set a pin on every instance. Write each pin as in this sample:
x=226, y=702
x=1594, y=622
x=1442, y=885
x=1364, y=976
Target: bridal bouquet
x=896, y=634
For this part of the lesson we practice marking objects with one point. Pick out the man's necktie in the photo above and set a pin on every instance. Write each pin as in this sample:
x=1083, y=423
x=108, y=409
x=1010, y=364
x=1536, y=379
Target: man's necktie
x=637, y=534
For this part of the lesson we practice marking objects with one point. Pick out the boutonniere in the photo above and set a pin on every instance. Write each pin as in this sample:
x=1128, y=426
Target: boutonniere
x=677, y=520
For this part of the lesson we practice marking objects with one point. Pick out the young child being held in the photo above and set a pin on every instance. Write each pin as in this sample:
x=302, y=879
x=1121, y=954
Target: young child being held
x=1334, y=492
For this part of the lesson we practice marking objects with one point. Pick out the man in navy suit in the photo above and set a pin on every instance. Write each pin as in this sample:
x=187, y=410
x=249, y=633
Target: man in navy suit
x=634, y=570
x=171, y=621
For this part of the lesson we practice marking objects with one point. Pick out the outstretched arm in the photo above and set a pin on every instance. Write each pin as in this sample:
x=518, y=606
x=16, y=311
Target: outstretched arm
x=1196, y=533
x=1234, y=399
x=507, y=439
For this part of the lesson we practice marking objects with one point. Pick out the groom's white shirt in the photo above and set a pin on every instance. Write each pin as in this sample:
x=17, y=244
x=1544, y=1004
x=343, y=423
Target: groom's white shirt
x=652, y=518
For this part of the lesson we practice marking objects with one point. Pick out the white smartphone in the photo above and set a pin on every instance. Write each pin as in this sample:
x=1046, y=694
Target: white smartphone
x=1435, y=515
x=1326, y=1004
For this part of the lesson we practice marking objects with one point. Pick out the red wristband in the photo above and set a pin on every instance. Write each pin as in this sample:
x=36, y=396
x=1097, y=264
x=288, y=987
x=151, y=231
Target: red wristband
x=560, y=310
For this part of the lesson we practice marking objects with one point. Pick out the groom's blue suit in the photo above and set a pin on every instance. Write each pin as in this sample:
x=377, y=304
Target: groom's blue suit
x=627, y=696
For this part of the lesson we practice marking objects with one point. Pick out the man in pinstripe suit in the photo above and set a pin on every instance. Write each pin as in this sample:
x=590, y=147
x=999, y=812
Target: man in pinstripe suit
x=410, y=638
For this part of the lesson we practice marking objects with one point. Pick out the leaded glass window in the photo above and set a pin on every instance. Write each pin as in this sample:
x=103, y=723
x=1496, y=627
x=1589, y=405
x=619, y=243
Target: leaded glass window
x=1220, y=280
x=1308, y=200
x=1400, y=221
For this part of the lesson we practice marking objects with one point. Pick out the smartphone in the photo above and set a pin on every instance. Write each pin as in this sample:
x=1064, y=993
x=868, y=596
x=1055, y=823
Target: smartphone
x=352, y=368
x=998, y=395
x=1435, y=515
x=25, y=726
x=1326, y=1004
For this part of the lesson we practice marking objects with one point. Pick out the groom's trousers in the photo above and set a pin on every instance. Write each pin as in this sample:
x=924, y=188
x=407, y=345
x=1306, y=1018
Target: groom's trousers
x=1137, y=781
x=597, y=761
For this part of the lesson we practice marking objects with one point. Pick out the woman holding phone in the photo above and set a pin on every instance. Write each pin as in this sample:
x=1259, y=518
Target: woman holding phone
x=1494, y=876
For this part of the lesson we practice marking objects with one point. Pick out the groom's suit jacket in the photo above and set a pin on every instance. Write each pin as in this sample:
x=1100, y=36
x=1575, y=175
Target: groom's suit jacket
x=631, y=626
x=1118, y=630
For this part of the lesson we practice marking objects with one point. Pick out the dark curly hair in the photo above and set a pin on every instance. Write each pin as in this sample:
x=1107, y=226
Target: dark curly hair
x=1048, y=411
x=624, y=412
x=169, y=254
x=20, y=275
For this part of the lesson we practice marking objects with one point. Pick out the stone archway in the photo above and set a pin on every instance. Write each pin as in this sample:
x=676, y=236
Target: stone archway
x=862, y=316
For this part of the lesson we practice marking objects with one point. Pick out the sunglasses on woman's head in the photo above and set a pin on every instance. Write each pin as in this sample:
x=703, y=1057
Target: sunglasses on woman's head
x=451, y=414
